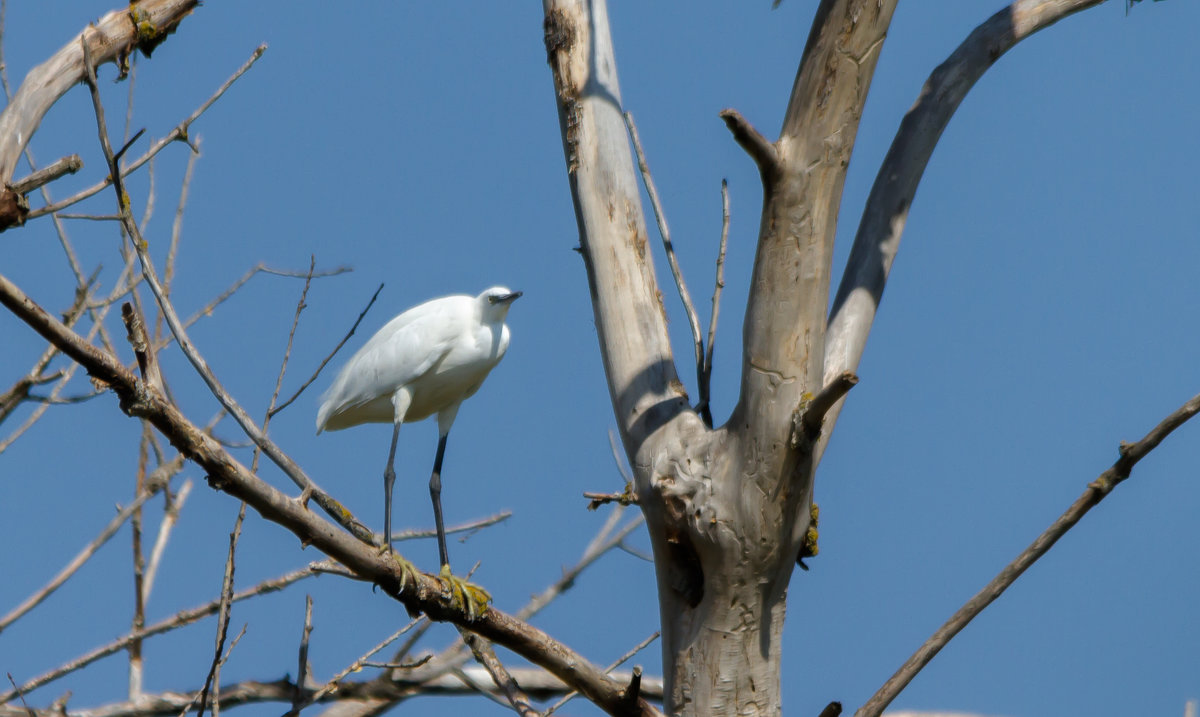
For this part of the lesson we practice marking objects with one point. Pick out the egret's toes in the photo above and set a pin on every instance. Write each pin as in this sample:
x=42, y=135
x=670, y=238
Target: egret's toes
x=408, y=572
x=465, y=595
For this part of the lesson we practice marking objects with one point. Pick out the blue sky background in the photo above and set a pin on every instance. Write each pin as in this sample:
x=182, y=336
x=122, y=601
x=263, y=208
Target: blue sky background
x=1042, y=308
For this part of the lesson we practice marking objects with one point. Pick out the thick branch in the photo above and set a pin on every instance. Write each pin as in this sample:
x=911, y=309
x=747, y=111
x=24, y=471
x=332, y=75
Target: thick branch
x=110, y=39
x=630, y=318
x=886, y=211
x=783, y=342
x=418, y=592
x=1092, y=495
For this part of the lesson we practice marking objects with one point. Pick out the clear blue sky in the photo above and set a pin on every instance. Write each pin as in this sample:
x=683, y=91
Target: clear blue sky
x=1042, y=308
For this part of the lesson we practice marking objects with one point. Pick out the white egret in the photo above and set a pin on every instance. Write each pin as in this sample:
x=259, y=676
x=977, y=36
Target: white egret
x=427, y=360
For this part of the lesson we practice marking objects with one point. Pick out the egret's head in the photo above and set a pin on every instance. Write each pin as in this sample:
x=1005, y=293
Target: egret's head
x=497, y=300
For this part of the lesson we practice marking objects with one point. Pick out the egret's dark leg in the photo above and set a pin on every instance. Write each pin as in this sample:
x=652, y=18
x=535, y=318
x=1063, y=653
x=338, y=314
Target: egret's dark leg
x=435, y=492
x=389, y=478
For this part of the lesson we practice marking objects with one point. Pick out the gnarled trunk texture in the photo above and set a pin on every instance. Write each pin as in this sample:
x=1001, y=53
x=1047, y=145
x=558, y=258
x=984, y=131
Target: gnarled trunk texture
x=727, y=508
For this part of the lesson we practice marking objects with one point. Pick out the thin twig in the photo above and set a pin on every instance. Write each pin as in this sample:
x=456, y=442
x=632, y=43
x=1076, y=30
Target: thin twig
x=289, y=467
x=136, y=663
x=170, y=703
x=92, y=217
x=704, y=408
x=1095, y=492
x=333, y=353
x=20, y=391
x=69, y=319
x=176, y=621
x=486, y=656
x=302, y=669
x=620, y=661
x=177, y=229
x=472, y=526
x=616, y=454
x=358, y=664
x=676, y=272
x=600, y=544
x=82, y=557
x=180, y=132
x=287, y=354
x=172, y=509
x=213, y=681
x=253, y=271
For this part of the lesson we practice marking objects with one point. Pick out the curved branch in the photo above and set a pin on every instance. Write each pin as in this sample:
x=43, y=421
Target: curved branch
x=886, y=211
x=142, y=26
x=417, y=591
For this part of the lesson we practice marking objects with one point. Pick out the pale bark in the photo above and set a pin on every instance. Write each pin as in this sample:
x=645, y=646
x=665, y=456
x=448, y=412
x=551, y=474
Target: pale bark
x=727, y=508
x=112, y=38
x=886, y=211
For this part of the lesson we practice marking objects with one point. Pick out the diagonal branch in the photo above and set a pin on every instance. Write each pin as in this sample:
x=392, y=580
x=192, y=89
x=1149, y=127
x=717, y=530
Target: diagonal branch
x=879, y=231
x=757, y=146
x=155, y=483
x=417, y=591
x=289, y=467
x=112, y=38
x=178, y=133
x=1095, y=492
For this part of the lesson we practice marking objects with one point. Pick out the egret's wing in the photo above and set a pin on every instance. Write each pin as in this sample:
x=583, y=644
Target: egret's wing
x=406, y=348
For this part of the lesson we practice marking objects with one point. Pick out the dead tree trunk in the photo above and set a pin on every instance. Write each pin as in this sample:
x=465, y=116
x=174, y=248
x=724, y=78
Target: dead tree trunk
x=727, y=508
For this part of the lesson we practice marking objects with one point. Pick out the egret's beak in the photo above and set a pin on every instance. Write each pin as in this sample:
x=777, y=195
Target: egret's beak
x=505, y=298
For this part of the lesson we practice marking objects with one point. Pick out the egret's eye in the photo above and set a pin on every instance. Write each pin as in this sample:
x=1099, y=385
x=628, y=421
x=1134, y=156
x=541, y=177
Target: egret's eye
x=493, y=299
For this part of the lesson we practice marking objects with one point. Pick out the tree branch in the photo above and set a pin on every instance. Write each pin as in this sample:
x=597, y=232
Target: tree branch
x=660, y=218
x=156, y=483
x=630, y=319
x=1095, y=492
x=886, y=211
x=178, y=133
x=760, y=149
x=703, y=407
x=112, y=38
x=539, y=683
x=47, y=174
x=417, y=591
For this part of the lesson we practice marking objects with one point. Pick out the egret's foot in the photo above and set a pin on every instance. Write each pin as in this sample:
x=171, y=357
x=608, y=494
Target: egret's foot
x=408, y=572
x=465, y=595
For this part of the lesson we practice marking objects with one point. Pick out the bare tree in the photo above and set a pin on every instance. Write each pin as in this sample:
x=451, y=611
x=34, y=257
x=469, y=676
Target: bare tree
x=729, y=508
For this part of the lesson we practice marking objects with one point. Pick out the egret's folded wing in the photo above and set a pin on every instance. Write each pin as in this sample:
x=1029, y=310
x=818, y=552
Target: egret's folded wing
x=403, y=350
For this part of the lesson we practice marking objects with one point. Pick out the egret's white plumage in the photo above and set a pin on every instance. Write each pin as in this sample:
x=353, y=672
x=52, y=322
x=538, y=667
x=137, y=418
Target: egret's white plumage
x=426, y=361
x=435, y=355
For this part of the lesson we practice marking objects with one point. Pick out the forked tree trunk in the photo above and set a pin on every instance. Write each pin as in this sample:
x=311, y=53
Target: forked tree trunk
x=727, y=508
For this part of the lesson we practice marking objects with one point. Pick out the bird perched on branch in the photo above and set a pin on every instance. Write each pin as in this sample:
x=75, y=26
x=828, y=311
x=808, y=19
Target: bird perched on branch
x=426, y=361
